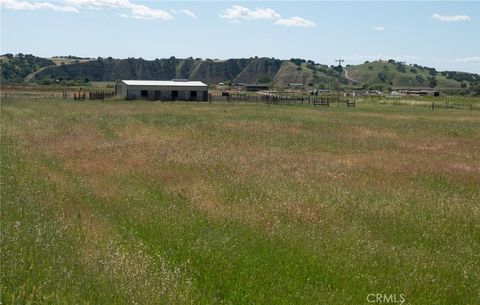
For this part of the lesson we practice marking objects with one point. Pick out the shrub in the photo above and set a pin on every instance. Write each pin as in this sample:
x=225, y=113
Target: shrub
x=382, y=76
x=264, y=80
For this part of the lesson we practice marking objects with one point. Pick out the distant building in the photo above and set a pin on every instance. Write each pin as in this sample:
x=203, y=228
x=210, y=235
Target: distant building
x=355, y=93
x=295, y=85
x=419, y=92
x=394, y=93
x=254, y=87
x=374, y=93
x=174, y=90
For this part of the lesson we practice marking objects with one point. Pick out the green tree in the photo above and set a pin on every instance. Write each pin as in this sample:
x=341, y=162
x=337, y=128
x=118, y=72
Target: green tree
x=419, y=79
x=382, y=76
x=264, y=80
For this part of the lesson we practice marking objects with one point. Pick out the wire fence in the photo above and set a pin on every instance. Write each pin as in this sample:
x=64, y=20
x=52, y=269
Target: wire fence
x=64, y=95
x=444, y=102
x=460, y=103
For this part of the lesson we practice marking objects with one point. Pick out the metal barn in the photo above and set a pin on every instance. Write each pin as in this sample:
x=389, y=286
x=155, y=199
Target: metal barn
x=174, y=90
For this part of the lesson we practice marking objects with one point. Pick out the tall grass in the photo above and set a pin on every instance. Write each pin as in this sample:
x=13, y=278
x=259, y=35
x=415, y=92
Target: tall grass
x=158, y=203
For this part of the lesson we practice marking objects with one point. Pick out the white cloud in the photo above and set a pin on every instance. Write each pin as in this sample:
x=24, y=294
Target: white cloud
x=379, y=28
x=468, y=60
x=452, y=18
x=188, y=13
x=185, y=12
x=138, y=11
x=239, y=12
x=25, y=5
x=99, y=4
x=296, y=22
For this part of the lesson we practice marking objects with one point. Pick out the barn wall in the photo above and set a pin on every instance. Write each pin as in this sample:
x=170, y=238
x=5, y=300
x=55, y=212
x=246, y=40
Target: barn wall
x=162, y=93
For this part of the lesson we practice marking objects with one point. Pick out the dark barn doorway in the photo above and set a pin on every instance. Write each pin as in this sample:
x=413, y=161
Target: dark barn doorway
x=193, y=95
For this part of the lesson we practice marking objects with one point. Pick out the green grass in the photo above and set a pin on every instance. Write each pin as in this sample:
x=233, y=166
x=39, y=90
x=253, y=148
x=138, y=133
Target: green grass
x=185, y=203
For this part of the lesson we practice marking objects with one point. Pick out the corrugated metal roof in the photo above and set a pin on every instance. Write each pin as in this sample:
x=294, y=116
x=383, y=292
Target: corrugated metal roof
x=175, y=83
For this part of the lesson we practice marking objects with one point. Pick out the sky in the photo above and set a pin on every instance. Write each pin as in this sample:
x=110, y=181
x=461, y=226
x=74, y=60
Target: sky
x=440, y=34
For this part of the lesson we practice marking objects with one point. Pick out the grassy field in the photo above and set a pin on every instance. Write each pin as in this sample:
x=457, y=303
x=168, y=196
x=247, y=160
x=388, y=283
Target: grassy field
x=178, y=203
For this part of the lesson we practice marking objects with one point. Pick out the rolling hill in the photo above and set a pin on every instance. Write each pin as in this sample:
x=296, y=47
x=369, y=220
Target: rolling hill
x=380, y=75
x=243, y=70
x=401, y=75
x=17, y=68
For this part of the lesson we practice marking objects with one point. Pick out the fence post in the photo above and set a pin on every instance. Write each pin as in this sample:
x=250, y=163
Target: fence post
x=433, y=105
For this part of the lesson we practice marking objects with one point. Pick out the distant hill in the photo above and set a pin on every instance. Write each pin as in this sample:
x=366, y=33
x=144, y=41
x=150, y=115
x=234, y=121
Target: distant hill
x=400, y=75
x=380, y=75
x=243, y=70
x=17, y=68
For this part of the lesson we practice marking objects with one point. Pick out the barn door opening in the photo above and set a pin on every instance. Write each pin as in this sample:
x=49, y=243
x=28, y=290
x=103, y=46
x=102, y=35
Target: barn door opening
x=193, y=95
x=174, y=95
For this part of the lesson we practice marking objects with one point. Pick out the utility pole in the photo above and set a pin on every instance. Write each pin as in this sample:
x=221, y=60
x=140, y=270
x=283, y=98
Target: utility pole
x=338, y=85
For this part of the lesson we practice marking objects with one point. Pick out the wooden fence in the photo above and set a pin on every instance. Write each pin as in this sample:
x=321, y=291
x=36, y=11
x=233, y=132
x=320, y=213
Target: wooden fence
x=325, y=101
x=30, y=96
x=271, y=99
x=459, y=103
x=100, y=95
x=77, y=96
x=447, y=102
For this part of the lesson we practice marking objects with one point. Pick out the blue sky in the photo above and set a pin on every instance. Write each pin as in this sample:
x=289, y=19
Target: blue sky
x=441, y=34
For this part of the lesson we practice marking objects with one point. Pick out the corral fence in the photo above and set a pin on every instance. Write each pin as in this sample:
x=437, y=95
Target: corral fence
x=100, y=95
x=30, y=96
x=267, y=99
x=325, y=101
x=445, y=102
x=282, y=99
x=77, y=96
x=442, y=102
